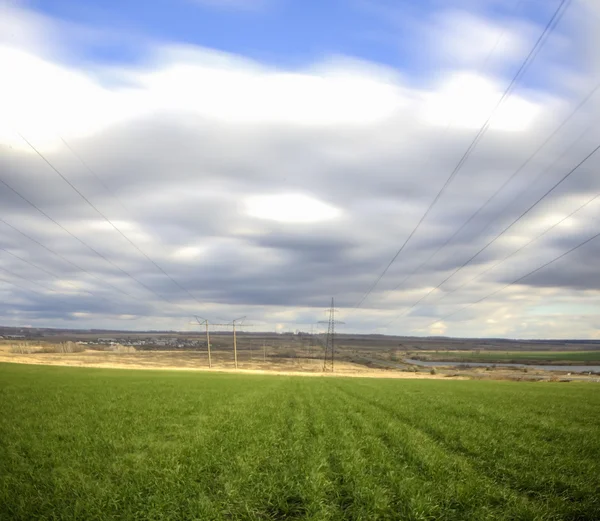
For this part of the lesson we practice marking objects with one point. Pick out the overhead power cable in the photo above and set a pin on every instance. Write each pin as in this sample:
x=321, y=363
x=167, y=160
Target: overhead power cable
x=95, y=208
x=35, y=283
x=503, y=260
x=518, y=250
x=93, y=173
x=71, y=263
x=54, y=275
x=504, y=184
x=25, y=288
x=531, y=207
x=520, y=279
x=558, y=159
x=81, y=241
x=558, y=13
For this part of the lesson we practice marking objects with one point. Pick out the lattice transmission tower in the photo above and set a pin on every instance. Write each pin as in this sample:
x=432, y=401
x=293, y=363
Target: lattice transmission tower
x=329, y=357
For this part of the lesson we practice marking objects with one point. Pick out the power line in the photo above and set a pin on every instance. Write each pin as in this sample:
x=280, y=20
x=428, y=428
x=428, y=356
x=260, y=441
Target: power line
x=502, y=261
x=93, y=173
x=329, y=355
x=558, y=159
x=482, y=131
x=516, y=281
x=537, y=237
x=505, y=183
x=95, y=208
x=25, y=288
x=41, y=285
x=122, y=205
x=37, y=283
x=48, y=272
x=86, y=244
x=451, y=122
x=71, y=263
x=114, y=195
x=473, y=257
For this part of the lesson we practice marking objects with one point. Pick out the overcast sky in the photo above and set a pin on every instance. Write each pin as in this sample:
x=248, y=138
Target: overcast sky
x=259, y=157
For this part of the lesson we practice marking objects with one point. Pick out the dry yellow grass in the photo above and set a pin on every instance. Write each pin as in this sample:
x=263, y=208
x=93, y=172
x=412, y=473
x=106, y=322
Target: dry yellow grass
x=193, y=360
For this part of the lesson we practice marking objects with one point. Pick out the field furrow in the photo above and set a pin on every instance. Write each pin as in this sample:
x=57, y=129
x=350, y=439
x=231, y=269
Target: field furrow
x=98, y=444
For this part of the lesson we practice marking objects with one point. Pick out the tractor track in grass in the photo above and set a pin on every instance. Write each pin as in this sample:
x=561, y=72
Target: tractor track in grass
x=425, y=446
x=504, y=478
x=93, y=444
x=470, y=459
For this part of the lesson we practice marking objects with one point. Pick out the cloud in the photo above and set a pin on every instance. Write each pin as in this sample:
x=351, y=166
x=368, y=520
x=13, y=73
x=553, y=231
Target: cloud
x=289, y=208
x=466, y=39
x=265, y=192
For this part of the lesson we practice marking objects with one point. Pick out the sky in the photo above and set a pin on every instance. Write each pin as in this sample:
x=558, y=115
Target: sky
x=226, y=158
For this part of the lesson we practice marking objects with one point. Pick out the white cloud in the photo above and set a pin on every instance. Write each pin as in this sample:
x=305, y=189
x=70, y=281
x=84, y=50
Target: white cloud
x=188, y=252
x=466, y=100
x=266, y=190
x=466, y=39
x=41, y=99
x=290, y=208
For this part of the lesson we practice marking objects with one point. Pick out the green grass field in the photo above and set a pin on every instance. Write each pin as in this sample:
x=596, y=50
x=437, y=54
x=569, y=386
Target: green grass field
x=118, y=444
x=578, y=357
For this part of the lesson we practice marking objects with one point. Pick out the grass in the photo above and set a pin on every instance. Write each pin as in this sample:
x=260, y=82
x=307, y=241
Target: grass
x=104, y=444
x=556, y=357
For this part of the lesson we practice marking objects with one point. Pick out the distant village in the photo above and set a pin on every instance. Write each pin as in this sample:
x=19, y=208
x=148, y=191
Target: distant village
x=148, y=343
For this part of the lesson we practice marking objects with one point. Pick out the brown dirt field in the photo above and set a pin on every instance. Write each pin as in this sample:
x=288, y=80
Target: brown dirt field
x=196, y=361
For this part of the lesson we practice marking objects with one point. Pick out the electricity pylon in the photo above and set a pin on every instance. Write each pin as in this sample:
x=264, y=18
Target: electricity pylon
x=204, y=321
x=235, y=340
x=330, y=340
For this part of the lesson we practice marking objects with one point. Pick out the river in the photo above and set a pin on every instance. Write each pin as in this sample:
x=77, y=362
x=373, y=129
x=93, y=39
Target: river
x=568, y=368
